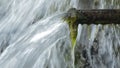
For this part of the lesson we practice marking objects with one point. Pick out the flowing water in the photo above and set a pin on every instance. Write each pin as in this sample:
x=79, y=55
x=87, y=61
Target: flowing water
x=33, y=35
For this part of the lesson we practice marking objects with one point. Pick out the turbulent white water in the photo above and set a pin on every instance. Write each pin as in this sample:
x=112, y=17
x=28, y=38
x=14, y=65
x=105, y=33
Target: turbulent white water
x=32, y=35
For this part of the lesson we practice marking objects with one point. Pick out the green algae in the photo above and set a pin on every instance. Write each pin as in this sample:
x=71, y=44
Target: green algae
x=71, y=21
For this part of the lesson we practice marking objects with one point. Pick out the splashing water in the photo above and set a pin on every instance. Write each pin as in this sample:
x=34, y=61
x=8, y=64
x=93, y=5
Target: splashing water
x=32, y=35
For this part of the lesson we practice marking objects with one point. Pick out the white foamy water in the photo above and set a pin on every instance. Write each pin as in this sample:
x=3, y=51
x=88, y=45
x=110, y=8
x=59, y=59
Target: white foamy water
x=32, y=35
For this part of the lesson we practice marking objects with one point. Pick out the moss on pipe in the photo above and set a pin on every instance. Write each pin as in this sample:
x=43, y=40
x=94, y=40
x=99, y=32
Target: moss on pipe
x=71, y=18
x=94, y=16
